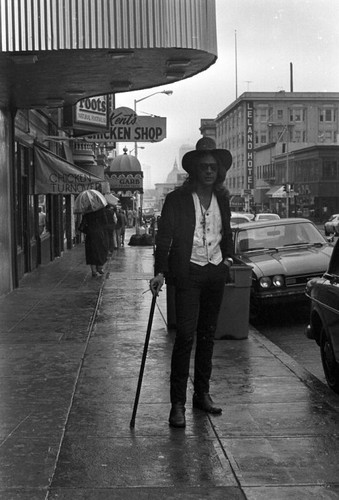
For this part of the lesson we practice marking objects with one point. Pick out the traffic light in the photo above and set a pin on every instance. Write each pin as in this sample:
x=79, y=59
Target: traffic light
x=287, y=187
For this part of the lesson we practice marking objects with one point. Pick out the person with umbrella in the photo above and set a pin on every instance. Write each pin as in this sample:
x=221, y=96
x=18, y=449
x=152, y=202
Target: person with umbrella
x=194, y=251
x=94, y=223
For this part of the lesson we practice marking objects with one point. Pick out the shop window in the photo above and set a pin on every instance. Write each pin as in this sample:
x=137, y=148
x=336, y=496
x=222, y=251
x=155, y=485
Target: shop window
x=43, y=215
x=330, y=170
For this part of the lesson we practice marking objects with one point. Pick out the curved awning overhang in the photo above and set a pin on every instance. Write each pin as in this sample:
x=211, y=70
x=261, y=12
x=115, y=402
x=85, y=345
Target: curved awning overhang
x=54, y=52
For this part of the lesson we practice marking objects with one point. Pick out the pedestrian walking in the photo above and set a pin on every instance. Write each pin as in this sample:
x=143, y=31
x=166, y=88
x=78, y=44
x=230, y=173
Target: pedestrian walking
x=94, y=225
x=193, y=253
x=124, y=222
x=111, y=223
x=130, y=217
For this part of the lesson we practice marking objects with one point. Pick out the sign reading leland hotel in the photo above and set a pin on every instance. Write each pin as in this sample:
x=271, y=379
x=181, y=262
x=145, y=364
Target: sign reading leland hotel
x=249, y=144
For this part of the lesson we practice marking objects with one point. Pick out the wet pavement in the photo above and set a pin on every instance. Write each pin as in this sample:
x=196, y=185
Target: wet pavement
x=71, y=347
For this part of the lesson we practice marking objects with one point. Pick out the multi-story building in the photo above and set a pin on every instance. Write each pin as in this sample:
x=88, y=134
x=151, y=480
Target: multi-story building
x=260, y=126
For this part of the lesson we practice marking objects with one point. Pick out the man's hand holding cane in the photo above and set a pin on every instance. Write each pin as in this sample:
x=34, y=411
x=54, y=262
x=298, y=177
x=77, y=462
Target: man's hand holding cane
x=156, y=284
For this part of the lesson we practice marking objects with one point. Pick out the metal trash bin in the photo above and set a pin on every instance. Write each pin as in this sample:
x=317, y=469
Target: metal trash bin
x=233, y=321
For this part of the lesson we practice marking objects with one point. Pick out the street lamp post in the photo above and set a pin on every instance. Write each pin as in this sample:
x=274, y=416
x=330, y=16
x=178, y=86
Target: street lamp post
x=284, y=130
x=131, y=150
x=167, y=92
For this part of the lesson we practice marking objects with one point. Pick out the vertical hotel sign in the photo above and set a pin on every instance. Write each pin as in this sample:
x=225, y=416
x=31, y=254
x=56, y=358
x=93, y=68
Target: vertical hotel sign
x=249, y=144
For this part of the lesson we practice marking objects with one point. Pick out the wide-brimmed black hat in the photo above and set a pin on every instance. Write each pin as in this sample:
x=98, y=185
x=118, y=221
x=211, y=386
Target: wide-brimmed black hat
x=203, y=146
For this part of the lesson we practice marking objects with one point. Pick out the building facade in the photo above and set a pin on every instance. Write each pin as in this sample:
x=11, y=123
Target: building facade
x=260, y=126
x=52, y=54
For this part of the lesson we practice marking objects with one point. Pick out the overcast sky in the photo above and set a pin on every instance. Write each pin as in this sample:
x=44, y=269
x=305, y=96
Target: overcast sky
x=270, y=35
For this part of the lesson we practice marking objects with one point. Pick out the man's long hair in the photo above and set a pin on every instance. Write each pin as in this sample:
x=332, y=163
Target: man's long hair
x=190, y=183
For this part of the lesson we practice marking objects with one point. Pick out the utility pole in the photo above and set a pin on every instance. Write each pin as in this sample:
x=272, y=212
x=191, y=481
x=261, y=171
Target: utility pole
x=236, y=64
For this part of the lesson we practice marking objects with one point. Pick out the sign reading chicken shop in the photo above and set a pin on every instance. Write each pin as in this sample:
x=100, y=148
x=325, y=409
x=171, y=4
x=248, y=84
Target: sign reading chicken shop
x=126, y=126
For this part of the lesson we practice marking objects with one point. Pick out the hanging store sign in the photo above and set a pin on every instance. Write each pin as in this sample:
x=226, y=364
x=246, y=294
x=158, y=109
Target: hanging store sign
x=88, y=114
x=249, y=144
x=123, y=182
x=126, y=126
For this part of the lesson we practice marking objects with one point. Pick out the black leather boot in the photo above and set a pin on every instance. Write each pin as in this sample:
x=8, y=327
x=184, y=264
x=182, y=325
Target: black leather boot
x=177, y=415
x=204, y=402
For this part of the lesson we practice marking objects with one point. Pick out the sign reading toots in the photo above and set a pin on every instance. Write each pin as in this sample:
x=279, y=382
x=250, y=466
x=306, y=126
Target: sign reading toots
x=126, y=126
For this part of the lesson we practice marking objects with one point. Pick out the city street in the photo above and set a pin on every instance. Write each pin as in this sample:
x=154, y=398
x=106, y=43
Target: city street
x=71, y=347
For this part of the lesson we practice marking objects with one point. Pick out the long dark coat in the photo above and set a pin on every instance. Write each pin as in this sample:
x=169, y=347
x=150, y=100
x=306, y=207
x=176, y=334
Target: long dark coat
x=96, y=241
x=176, y=230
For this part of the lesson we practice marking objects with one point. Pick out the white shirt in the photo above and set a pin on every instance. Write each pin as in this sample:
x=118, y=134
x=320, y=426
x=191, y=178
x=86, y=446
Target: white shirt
x=207, y=233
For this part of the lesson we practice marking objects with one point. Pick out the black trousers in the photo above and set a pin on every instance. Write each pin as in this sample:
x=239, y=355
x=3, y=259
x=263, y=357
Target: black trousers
x=197, y=304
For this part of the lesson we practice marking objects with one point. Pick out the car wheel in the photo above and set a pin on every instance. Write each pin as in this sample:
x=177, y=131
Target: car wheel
x=330, y=366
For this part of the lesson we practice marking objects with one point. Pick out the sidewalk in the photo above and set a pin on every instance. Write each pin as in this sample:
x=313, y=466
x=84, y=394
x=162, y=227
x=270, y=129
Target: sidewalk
x=71, y=347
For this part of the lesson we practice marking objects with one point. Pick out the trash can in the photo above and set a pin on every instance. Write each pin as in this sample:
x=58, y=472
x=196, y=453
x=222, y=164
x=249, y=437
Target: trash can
x=233, y=321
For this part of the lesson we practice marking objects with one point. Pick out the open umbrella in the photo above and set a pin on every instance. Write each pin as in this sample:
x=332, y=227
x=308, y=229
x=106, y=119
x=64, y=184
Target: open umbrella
x=111, y=199
x=89, y=201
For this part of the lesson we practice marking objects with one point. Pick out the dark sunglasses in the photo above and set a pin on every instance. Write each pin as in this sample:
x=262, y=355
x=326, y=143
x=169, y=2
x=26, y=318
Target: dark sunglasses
x=205, y=166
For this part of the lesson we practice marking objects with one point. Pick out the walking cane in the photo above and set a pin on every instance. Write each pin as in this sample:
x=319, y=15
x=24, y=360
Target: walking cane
x=143, y=361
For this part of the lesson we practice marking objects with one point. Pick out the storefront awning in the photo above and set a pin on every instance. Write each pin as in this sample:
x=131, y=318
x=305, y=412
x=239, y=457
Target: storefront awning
x=54, y=175
x=276, y=192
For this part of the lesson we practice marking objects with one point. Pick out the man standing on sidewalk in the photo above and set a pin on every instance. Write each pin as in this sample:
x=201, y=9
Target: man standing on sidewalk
x=194, y=251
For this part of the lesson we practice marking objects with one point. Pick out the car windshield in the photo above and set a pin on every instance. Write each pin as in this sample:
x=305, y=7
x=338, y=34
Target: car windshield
x=282, y=235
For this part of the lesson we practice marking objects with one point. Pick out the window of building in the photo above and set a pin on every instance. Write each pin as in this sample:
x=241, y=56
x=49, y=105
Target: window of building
x=263, y=115
x=263, y=138
x=327, y=115
x=297, y=115
x=328, y=136
x=280, y=114
x=297, y=136
x=330, y=170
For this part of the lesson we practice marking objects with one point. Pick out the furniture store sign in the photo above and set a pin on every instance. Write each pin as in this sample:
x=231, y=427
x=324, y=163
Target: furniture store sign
x=126, y=126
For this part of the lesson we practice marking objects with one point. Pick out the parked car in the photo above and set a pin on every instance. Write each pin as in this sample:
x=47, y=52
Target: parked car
x=324, y=318
x=284, y=254
x=332, y=225
x=240, y=218
x=266, y=216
